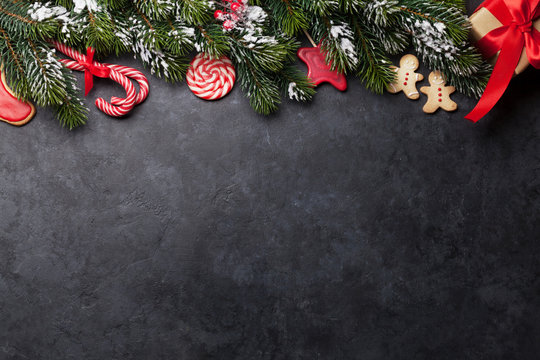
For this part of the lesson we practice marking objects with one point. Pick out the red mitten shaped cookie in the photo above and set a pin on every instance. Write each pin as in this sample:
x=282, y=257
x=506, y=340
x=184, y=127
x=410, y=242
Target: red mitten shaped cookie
x=318, y=70
x=12, y=110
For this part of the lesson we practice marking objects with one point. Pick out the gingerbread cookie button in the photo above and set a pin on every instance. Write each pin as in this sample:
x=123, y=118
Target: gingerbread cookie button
x=438, y=94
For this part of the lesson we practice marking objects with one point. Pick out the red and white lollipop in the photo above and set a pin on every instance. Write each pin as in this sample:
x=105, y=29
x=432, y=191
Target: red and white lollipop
x=210, y=79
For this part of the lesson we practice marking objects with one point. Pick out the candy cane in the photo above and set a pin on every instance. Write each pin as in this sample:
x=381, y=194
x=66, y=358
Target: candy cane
x=137, y=76
x=121, y=74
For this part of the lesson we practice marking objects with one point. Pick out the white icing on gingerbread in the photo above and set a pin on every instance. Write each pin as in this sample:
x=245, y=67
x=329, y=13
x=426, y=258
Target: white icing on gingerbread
x=406, y=78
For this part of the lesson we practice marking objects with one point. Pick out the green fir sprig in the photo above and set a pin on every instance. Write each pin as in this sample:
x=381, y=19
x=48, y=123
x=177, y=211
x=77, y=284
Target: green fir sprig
x=359, y=38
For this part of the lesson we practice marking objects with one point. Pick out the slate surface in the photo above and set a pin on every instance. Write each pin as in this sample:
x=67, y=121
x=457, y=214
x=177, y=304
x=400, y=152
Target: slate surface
x=355, y=227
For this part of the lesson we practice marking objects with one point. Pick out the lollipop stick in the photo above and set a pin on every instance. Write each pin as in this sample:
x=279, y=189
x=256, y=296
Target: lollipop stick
x=310, y=38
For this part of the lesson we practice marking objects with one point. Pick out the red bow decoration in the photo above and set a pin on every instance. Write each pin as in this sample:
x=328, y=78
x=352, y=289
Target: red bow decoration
x=92, y=69
x=517, y=32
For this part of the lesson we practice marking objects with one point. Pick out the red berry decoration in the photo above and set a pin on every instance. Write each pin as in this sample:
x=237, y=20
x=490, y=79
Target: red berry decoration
x=12, y=110
x=218, y=14
x=318, y=70
x=236, y=7
x=228, y=24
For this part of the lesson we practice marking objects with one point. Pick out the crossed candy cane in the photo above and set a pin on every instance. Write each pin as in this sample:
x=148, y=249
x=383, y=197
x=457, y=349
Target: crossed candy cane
x=121, y=74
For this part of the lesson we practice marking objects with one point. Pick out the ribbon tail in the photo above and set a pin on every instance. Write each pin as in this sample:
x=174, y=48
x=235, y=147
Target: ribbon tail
x=88, y=76
x=500, y=78
x=88, y=82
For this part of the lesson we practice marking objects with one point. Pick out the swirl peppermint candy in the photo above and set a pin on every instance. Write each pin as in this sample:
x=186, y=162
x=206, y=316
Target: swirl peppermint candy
x=210, y=79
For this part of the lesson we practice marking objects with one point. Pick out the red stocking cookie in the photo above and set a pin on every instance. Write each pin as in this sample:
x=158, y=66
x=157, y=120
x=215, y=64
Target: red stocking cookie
x=438, y=94
x=12, y=110
x=406, y=78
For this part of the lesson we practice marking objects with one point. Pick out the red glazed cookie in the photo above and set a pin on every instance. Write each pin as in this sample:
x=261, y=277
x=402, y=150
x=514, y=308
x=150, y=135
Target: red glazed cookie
x=318, y=70
x=12, y=110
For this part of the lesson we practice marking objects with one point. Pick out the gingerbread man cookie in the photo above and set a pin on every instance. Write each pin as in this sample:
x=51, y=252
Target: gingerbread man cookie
x=438, y=94
x=406, y=78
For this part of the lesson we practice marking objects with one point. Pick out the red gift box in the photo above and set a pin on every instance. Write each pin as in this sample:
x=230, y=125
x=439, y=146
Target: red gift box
x=508, y=32
x=483, y=21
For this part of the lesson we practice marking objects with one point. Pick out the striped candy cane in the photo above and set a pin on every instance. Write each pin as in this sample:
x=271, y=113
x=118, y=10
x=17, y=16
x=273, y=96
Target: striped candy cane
x=135, y=75
x=121, y=74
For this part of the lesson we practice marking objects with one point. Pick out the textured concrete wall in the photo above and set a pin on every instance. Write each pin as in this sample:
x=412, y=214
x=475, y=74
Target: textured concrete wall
x=355, y=227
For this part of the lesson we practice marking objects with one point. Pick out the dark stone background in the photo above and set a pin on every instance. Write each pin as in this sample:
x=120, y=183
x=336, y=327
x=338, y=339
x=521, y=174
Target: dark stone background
x=355, y=227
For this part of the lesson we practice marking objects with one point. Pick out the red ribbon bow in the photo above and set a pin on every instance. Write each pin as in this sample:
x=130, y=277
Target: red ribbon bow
x=92, y=69
x=517, y=32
